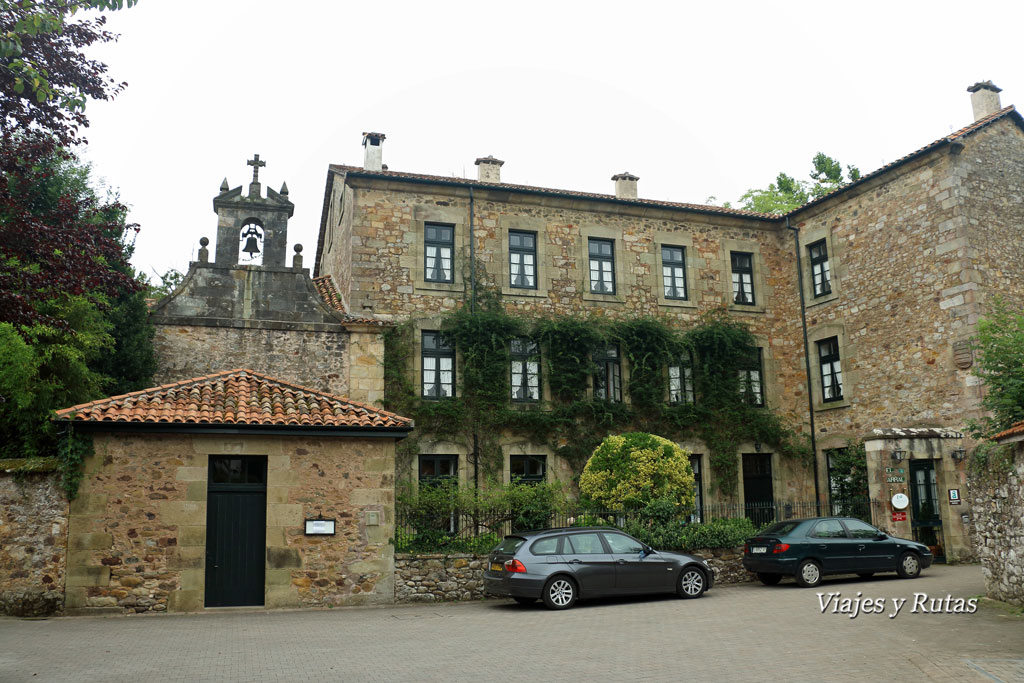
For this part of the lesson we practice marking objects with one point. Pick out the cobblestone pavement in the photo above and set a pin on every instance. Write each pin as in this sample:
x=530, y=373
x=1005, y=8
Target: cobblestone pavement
x=734, y=633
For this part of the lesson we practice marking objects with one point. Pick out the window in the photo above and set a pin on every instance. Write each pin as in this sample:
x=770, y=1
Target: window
x=527, y=469
x=435, y=469
x=698, y=489
x=545, y=546
x=859, y=529
x=439, y=244
x=623, y=545
x=673, y=271
x=438, y=366
x=680, y=380
x=583, y=544
x=829, y=528
x=821, y=275
x=525, y=356
x=522, y=259
x=751, y=384
x=602, y=266
x=608, y=380
x=831, y=373
x=742, y=278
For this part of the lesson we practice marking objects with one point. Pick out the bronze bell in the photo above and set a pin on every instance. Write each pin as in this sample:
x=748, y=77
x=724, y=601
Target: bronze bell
x=251, y=243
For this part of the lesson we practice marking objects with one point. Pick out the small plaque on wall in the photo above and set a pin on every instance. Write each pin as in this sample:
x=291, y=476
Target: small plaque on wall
x=319, y=527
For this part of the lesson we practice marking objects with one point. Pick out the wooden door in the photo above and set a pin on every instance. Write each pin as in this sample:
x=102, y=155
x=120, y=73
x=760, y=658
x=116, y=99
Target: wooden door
x=236, y=530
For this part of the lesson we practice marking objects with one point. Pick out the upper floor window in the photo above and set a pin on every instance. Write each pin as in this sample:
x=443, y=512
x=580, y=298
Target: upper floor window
x=742, y=277
x=525, y=357
x=821, y=274
x=602, y=266
x=527, y=469
x=439, y=245
x=522, y=259
x=673, y=271
x=751, y=383
x=831, y=372
x=608, y=379
x=438, y=361
x=680, y=380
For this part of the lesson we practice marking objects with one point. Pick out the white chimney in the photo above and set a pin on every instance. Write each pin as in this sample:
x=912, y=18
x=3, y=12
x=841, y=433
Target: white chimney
x=984, y=99
x=488, y=169
x=625, y=185
x=372, y=143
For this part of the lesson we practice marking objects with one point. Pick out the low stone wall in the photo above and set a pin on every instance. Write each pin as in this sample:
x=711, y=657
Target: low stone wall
x=997, y=502
x=33, y=545
x=450, y=578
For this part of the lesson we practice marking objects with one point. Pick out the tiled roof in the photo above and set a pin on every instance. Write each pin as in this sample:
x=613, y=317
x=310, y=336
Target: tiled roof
x=329, y=293
x=234, y=397
x=1016, y=430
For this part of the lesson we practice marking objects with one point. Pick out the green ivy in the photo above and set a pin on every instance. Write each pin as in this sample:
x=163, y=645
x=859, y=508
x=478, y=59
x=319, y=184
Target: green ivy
x=72, y=450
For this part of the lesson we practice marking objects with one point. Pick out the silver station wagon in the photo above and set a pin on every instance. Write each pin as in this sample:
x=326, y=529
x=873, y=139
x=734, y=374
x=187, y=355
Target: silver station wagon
x=560, y=566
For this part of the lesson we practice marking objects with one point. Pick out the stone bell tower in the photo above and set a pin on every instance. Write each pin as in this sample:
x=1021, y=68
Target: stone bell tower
x=252, y=221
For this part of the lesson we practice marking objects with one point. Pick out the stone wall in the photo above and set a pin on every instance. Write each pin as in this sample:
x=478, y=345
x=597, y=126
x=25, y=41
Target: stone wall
x=451, y=578
x=33, y=528
x=138, y=527
x=997, y=501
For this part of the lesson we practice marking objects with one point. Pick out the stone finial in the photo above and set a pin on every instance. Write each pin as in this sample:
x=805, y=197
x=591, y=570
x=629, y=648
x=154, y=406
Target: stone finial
x=284, y=189
x=625, y=185
x=372, y=143
x=488, y=169
x=224, y=185
x=984, y=99
x=204, y=253
x=297, y=259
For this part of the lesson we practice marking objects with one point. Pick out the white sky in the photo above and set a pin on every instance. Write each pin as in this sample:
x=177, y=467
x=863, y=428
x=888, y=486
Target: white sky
x=697, y=99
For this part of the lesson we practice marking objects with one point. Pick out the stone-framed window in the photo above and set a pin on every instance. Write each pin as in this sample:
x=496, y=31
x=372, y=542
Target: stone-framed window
x=438, y=252
x=698, y=488
x=525, y=370
x=528, y=469
x=608, y=378
x=742, y=263
x=437, y=366
x=673, y=271
x=831, y=370
x=438, y=468
x=821, y=272
x=752, y=380
x=680, y=380
x=602, y=265
x=522, y=259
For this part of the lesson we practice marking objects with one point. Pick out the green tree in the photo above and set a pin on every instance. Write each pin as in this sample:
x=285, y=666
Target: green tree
x=1000, y=365
x=633, y=470
x=788, y=193
x=848, y=472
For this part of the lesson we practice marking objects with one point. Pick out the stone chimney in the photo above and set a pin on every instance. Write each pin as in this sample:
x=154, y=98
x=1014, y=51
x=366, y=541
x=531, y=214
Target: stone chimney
x=625, y=185
x=984, y=99
x=488, y=169
x=372, y=143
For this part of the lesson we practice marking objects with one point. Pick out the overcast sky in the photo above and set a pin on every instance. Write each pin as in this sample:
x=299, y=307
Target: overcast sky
x=697, y=99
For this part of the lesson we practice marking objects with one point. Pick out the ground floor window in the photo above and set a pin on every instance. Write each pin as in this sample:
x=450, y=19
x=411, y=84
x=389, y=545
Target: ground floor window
x=527, y=469
x=698, y=489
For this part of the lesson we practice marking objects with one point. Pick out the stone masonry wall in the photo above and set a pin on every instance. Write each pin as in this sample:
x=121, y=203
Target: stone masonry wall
x=138, y=527
x=997, y=501
x=452, y=578
x=33, y=545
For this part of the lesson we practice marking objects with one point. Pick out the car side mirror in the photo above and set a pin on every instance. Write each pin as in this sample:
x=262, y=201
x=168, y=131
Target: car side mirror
x=881, y=536
x=646, y=550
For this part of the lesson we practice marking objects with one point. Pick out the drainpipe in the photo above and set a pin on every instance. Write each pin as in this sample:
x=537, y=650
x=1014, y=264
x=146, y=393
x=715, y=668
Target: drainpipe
x=807, y=361
x=472, y=309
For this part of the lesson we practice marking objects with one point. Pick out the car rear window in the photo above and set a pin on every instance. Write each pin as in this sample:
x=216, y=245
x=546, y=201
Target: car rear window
x=510, y=545
x=779, y=529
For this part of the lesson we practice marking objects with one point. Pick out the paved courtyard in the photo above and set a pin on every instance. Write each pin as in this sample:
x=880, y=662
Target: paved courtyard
x=734, y=633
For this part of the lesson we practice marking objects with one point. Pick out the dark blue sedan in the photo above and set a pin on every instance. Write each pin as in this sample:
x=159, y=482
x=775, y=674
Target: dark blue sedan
x=808, y=549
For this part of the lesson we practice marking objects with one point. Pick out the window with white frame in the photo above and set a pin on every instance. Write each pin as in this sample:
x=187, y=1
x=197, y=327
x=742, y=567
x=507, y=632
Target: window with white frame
x=438, y=249
x=821, y=273
x=742, y=277
x=608, y=379
x=751, y=382
x=831, y=372
x=680, y=380
x=525, y=370
x=438, y=364
x=522, y=259
x=602, y=266
x=673, y=271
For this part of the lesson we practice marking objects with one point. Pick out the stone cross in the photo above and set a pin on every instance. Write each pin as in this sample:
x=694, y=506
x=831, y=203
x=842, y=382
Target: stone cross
x=256, y=163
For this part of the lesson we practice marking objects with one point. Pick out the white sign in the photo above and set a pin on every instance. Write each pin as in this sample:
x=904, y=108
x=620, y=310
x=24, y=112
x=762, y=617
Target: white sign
x=319, y=527
x=900, y=501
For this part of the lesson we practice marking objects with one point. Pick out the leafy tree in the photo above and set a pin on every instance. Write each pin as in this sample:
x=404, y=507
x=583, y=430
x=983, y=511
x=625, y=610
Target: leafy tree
x=1000, y=365
x=169, y=281
x=848, y=472
x=633, y=470
x=828, y=175
x=788, y=193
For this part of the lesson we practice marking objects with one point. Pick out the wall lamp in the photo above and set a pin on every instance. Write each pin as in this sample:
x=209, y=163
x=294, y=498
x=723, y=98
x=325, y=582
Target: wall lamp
x=898, y=454
x=959, y=454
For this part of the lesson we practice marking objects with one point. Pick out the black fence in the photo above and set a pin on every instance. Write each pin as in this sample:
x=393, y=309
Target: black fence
x=468, y=532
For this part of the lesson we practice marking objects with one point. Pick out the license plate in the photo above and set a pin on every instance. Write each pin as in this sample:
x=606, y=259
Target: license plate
x=497, y=567
x=759, y=550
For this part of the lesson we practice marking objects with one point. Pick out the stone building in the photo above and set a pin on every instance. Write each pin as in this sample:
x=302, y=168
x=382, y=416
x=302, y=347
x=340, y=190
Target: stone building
x=863, y=302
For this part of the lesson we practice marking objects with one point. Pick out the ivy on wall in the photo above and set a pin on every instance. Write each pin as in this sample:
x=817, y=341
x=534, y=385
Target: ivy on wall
x=571, y=422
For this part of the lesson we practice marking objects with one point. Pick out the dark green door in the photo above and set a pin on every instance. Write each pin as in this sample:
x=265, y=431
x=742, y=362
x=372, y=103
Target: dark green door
x=758, y=498
x=924, y=502
x=236, y=530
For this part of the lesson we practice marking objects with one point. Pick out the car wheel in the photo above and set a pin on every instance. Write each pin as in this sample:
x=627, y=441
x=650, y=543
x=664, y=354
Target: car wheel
x=769, y=579
x=559, y=593
x=909, y=566
x=808, y=574
x=525, y=601
x=692, y=583
x=865, y=575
